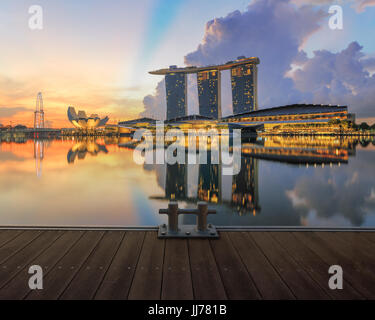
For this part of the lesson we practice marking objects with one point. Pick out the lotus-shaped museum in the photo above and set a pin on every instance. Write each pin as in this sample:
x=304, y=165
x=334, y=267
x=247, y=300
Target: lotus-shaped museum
x=82, y=121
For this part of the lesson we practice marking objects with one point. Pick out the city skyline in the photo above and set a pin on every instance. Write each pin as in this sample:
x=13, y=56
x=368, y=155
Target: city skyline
x=193, y=150
x=75, y=61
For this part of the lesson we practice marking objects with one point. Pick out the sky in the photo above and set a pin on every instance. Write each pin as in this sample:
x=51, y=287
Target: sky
x=95, y=55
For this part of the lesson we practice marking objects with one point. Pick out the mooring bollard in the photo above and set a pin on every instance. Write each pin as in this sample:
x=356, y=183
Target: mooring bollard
x=172, y=213
x=202, y=230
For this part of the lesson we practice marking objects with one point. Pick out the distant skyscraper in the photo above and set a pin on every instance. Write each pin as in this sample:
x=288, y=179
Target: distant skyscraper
x=176, y=90
x=244, y=88
x=209, y=87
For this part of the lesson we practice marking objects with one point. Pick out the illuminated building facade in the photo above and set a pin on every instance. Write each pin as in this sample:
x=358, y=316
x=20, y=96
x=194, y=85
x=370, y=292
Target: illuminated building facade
x=292, y=115
x=176, y=92
x=244, y=88
x=209, y=92
x=83, y=122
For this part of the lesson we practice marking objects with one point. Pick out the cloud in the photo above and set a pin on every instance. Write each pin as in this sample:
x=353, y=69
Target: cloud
x=328, y=199
x=9, y=156
x=155, y=105
x=369, y=64
x=338, y=192
x=359, y=5
x=6, y=112
x=270, y=29
x=275, y=31
x=339, y=78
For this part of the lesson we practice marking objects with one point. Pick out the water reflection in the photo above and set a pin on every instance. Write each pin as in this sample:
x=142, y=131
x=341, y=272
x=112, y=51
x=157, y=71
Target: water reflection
x=299, y=181
x=83, y=147
x=38, y=156
x=205, y=182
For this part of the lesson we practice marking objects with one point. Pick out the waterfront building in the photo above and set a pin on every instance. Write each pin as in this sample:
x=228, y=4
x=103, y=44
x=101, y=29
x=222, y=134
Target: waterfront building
x=209, y=92
x=83, y=122
x=141, y=123
x=244, y=88
x=176, y=93
x=293, y=117
x=296, y=118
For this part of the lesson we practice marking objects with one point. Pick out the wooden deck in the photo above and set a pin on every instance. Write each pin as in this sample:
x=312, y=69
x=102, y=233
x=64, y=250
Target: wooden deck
x=136, y=265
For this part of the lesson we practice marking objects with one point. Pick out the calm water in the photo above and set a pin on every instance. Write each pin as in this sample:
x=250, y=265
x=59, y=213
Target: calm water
x=283, y=182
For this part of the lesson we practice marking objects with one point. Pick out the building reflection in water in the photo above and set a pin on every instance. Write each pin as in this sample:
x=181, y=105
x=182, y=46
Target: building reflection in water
x=84, y=147
x=39, y=156
x=209, y=181
x=245, y=190
x=205, y=182
x=176, y=182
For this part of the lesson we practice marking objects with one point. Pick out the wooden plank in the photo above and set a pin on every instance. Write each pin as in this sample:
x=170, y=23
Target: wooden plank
x=62, y=274
x=177, y=283
x=207, y=284
x=297, y=279
x=119, y=277
x=332, y=256
x=89, y=277
x=22, y=258
x=237, y=281
x=370, y=236
x=17, y=288
x=269, y=283
x=8, y=235
x=108, y=265
x=18, y=243
x=313, y=265
x=361, y=247
x=355, y=249
x=149, y=273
